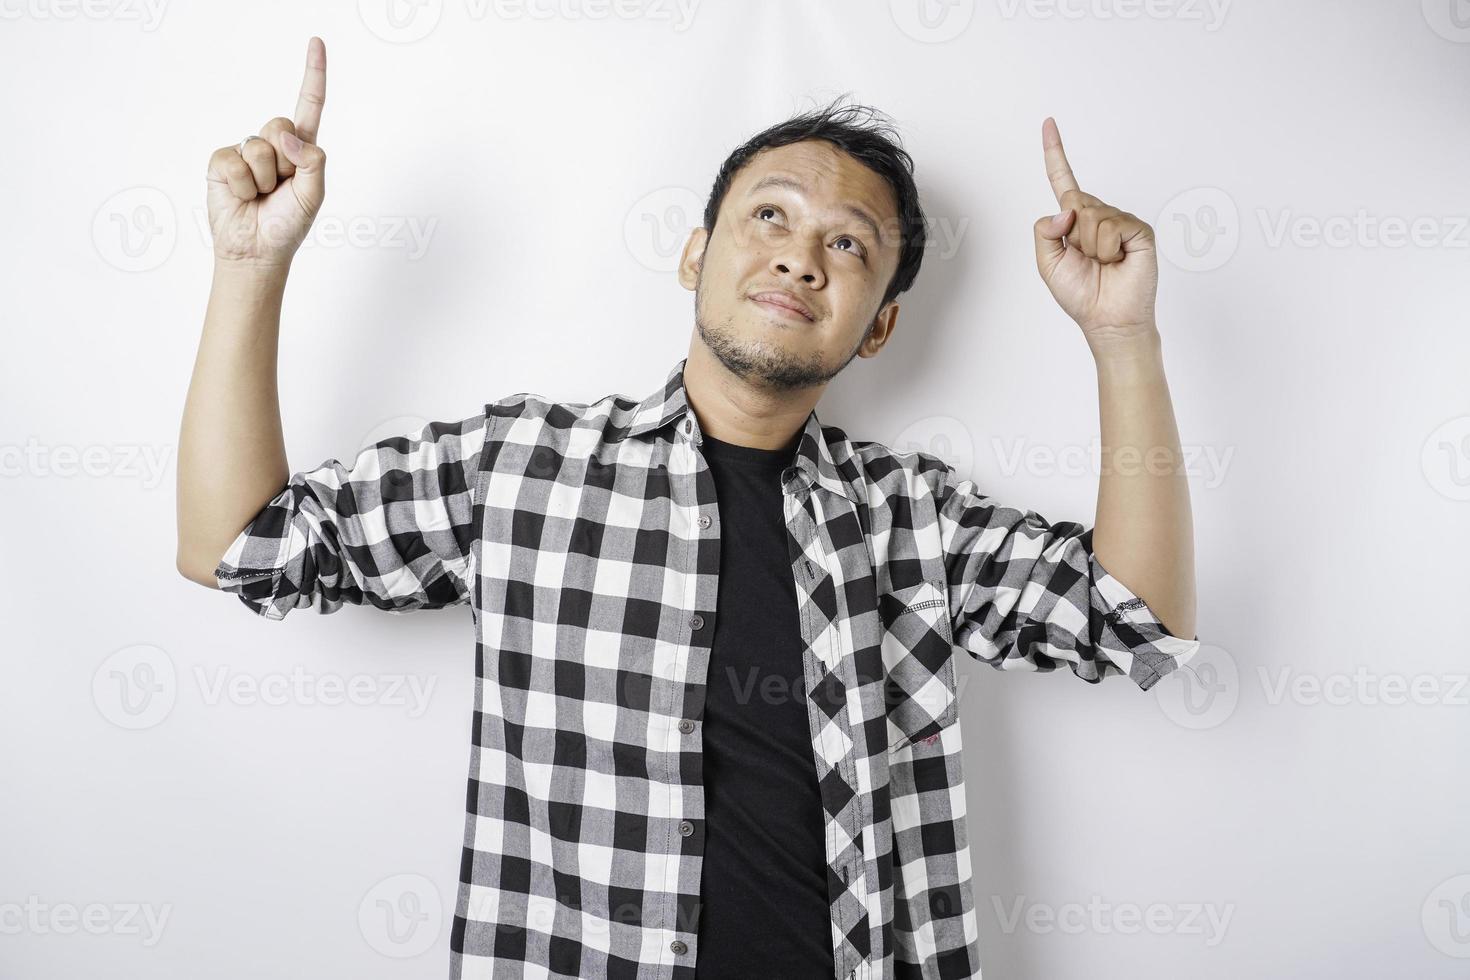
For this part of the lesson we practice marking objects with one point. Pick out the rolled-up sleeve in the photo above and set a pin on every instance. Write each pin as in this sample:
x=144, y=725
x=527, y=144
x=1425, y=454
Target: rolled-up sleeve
x=1027, y=594
x=394, y=530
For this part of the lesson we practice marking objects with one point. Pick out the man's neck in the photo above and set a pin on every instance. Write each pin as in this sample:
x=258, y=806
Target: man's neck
x=735, y=412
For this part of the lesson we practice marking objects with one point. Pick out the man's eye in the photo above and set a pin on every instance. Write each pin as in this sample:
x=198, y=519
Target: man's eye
x=853, y=246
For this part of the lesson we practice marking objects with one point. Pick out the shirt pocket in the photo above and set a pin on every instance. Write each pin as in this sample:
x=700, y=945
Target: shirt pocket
x=918, y=656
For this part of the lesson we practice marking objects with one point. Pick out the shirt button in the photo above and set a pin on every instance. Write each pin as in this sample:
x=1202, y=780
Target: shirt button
x=678, y=947
x=704, y=520
x=686, y=828
x=696, y=621
x=686, y=425
x=686, y=726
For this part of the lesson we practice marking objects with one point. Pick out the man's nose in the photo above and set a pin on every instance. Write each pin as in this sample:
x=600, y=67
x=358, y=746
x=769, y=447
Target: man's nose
x=801, y=258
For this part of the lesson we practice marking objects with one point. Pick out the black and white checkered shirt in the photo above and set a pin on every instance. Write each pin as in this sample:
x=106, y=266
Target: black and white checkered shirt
x=586, y=540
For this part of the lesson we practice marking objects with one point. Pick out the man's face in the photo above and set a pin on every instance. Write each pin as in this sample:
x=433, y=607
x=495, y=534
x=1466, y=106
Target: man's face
x=808, y=221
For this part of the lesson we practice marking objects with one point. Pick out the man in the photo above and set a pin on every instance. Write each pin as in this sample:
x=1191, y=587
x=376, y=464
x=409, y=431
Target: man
x=716, y=730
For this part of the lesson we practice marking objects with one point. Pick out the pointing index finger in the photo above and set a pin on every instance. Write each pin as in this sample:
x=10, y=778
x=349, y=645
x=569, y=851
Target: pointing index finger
x=1058, y=170
x=313, y=91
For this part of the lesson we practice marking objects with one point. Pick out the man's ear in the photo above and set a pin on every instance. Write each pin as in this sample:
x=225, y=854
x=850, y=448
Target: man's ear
x=693, y=258
x=880, y=329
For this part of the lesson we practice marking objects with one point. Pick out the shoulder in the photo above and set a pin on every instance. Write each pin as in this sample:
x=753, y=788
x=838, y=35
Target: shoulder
x=887, y=471
x=531, y=416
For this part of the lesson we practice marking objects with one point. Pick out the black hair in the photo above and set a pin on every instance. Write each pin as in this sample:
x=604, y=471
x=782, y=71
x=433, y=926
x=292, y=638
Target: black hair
x=861, y=132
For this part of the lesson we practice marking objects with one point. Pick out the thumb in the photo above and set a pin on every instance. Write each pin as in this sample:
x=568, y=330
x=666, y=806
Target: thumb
x=1049, y=233
x=311, y=162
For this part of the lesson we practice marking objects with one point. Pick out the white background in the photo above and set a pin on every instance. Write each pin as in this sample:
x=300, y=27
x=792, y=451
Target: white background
x=1290, y=787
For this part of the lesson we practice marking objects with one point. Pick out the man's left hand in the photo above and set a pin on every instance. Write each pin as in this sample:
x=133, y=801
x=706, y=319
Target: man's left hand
x=1098, y=261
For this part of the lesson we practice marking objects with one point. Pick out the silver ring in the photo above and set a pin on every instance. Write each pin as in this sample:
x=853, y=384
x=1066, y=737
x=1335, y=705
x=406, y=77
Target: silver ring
x=247, y=139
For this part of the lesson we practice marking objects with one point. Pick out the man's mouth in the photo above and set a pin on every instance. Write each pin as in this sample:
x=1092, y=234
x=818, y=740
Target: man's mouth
x=782, y=305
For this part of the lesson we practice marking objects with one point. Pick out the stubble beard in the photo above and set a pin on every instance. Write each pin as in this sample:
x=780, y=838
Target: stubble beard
x=759, y=363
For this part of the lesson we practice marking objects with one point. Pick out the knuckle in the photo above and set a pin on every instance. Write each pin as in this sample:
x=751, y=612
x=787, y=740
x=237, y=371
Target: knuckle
x=236, y=166
x=258, y=151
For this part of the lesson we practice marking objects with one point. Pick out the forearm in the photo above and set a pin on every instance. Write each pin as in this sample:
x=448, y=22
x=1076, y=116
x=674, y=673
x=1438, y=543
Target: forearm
x=232, y=457
x=1144, y=534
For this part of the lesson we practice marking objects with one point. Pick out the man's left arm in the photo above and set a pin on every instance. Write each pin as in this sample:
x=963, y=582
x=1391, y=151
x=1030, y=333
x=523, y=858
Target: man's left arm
x=1101, y=266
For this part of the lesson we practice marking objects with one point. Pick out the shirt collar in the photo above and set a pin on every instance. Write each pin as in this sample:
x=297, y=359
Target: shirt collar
x=814, y=461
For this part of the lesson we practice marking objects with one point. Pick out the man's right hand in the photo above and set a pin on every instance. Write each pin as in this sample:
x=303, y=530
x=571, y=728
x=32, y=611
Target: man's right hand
x=263, y=198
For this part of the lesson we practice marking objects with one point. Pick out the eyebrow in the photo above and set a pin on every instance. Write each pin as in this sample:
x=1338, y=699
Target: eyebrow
x=792, y=184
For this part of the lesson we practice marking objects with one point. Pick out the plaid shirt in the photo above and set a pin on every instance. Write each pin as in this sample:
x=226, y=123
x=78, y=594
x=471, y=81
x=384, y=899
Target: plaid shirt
x=586, y=540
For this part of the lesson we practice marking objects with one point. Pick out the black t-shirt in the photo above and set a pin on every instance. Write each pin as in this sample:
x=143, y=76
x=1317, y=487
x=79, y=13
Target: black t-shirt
x=764, y=908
